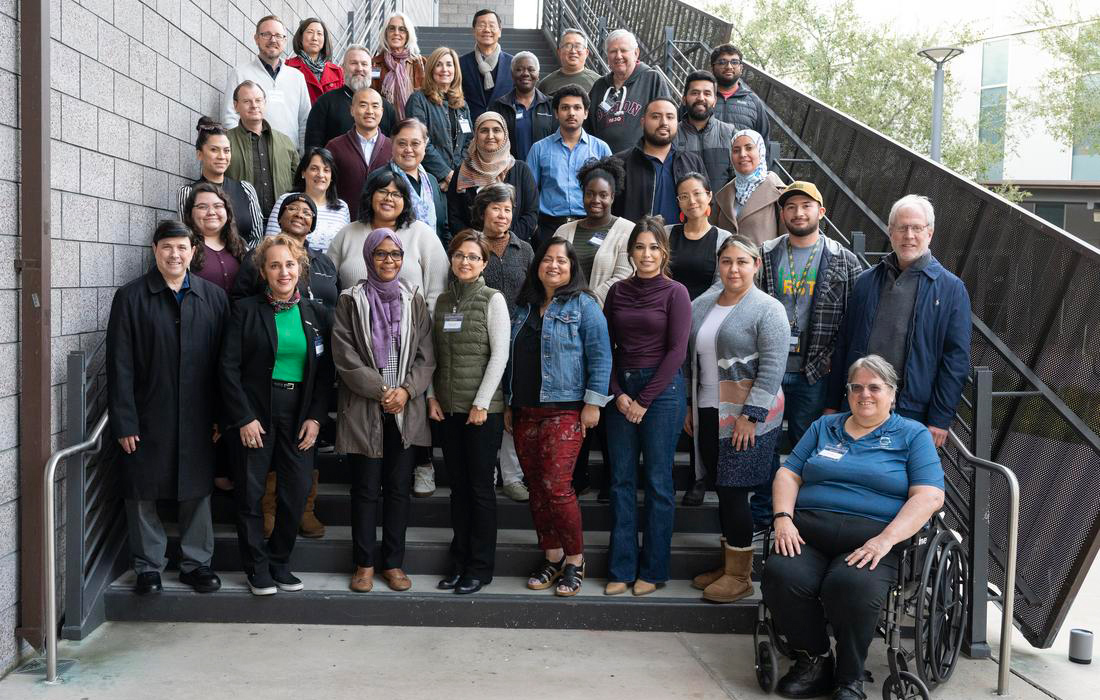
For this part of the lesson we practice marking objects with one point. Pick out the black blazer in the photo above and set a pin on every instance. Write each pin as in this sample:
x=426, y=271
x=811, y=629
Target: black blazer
x=248, y=358
x=320, y=283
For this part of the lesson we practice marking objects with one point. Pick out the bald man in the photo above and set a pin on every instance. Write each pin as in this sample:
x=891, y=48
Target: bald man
x=362, y=150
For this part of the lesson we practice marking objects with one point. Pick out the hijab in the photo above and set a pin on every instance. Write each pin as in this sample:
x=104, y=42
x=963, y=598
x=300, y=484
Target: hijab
x=384, y=298
x=480, y=167
x=746, y=184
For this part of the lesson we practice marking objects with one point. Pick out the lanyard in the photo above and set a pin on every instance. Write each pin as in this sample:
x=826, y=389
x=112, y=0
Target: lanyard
x=801, y=283
x=609, y=97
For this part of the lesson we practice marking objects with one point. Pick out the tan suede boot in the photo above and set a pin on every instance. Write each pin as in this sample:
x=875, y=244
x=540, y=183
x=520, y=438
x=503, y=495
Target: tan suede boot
x=736, y=581
x=310, y=525
x=708, y=577
x=268, y=505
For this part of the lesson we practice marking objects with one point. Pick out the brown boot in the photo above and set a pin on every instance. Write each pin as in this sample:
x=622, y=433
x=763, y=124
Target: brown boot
x=736, y=581
x=708, y=577
x=310, y=525
x=268, y=505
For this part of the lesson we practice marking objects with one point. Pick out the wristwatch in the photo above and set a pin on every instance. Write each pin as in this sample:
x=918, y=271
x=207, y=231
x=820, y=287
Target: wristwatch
x=781, y=514
x=749, y=418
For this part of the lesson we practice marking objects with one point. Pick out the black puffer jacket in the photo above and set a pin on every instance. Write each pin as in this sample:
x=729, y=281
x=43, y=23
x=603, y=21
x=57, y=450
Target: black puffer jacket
x=744, y=109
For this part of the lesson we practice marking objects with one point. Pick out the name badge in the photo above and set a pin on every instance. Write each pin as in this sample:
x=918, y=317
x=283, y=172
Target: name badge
x=597, y=239
x=376, y=73
x=452, y=323
x=519, y=115
x=605, y=106
x=464, y=125
x=796, y=342
x=318, y=346
x=833, y=452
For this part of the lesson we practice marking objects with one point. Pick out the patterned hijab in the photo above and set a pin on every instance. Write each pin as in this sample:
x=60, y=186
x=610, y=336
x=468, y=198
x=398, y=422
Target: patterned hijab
x=384, y=298
x=480, y=167
x=746, y=184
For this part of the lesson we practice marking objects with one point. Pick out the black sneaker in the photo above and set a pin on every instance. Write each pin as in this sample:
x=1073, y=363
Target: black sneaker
x=850, y=691
x=203, y=579
x=809, y=677
x=261, y=583
x=287, y=581
x=694, y=495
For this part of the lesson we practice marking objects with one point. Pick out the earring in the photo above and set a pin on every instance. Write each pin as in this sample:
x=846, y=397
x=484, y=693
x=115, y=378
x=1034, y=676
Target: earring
x=682, y=219
x=708, y=212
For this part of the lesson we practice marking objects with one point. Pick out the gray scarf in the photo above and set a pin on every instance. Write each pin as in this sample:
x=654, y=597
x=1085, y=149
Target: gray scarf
x=486, y=65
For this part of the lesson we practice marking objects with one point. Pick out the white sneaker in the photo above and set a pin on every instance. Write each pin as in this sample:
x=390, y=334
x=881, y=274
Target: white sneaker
x=424, y=481
x=517, y=491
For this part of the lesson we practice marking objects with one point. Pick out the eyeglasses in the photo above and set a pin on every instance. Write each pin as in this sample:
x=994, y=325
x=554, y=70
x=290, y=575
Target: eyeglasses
x=400, y=144
x=462, y=257
x=911, y=228
x=392, y=195
x=218, y=206
x=300, y=211
x=268, y=36
x=688, y=196
x=723, y=62
x=857, y=389
x=394, y=255
x=402, y=30
x=574, y=46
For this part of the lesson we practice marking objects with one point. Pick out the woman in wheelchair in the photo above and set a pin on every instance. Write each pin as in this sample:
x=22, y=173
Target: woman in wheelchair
x=857, y=486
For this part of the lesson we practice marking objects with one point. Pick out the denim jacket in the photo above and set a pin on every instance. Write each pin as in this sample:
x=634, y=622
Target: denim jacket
x=576, y=357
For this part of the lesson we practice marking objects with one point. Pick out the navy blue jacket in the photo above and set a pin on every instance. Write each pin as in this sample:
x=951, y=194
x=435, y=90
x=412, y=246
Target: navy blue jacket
x=472, y=84
x=937, y=360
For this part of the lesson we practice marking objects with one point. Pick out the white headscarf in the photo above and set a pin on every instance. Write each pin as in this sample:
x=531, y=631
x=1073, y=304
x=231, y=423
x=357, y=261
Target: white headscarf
x=746, y=184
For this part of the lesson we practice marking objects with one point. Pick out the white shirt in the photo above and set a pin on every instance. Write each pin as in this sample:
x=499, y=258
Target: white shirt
x=286, y=102
x=707, y=354
x=367, y=145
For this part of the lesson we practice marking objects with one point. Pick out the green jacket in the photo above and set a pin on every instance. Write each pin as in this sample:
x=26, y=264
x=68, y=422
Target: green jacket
x=281, y=152
x=462, y=356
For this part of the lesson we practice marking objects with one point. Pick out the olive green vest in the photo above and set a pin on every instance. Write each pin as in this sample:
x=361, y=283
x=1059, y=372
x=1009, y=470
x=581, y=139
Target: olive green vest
x=461, y=356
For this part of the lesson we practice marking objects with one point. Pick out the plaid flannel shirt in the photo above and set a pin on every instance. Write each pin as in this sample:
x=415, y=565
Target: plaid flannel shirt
x=837, y=274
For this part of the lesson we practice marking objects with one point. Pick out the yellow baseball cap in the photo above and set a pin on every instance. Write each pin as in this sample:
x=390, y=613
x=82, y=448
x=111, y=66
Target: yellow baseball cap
x=801, y=187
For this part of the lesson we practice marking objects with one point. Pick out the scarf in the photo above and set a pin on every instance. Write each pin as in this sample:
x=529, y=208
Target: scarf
x=397, y=85
x=280, y=305
x=422, y=202
x=384, y=298
x=316, y=67
x=481, y=168
x=745, y=185
x=486, y=65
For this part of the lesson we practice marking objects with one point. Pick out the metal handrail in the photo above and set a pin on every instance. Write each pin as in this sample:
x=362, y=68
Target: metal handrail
x=49, y=522
x=1008, y=596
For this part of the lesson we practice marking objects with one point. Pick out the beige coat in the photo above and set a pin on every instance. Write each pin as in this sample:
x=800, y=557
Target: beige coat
x=612, y=263
x=759, y=218
x=359, y=411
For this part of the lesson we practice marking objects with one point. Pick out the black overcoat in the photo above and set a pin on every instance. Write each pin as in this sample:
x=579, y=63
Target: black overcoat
x=162, y=384
x=248, y=359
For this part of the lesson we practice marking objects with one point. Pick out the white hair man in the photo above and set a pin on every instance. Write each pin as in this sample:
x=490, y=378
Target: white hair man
x=910, y=310
x=619, y=97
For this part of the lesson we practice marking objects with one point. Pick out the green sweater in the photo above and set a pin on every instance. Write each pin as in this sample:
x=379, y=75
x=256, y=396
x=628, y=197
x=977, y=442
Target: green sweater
x=290, y=346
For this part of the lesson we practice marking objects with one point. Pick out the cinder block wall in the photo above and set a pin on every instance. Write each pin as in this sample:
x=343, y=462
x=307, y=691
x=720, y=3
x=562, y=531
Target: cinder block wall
x=129, y=80
x=460, y=13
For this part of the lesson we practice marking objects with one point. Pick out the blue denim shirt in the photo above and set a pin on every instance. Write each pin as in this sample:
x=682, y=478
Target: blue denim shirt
x=576, y=351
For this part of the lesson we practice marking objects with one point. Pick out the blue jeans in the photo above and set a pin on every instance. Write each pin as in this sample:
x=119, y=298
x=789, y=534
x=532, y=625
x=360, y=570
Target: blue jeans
x=804, y=404
x=654, y=438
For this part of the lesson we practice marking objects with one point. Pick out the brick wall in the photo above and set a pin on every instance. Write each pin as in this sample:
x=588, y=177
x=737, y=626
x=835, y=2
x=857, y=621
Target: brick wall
x=460, y=13
x=129, y=81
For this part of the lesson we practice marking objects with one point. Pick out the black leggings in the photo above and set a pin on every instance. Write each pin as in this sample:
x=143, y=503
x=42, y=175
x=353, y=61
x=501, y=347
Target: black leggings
x=733, y=501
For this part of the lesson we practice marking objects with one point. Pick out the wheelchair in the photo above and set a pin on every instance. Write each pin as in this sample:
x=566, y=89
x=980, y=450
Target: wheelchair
x=930, y=598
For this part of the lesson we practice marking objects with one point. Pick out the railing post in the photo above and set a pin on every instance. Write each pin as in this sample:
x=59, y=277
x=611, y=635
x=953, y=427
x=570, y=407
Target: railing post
x=670, y=37
x=975, y=646
x=859, y=243
x=76, y=428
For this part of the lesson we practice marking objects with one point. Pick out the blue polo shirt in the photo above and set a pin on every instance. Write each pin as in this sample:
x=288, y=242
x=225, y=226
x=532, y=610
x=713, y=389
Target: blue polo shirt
x=554, y=167
x=664, y=189
x=523, y=129
x=869, y=477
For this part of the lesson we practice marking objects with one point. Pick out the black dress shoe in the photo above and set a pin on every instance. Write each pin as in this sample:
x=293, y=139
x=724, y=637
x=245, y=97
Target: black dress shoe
x=850, y=691
x=148, y=582
x=469, y=584
x=809, y=677
x=202, y=579
x=694, y=495
x=603, y=496
x=449, y=583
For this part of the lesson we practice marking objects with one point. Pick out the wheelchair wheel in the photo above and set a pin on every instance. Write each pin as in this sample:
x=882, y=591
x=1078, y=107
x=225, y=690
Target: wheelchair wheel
x=767, y=666
x=941, y=608
x=904, y=686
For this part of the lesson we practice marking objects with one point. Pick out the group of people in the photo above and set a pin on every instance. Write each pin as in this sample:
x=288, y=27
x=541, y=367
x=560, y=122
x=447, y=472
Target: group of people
x=448, y=251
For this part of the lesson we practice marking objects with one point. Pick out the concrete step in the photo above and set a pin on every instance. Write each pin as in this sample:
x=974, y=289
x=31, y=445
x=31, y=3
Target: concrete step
x=505, y=603
x=428, y=551
x=333, y=507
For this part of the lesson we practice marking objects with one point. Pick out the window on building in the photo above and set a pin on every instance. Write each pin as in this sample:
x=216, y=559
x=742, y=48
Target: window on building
x=1086, y=155
x=994, y=103
x=1053, y=212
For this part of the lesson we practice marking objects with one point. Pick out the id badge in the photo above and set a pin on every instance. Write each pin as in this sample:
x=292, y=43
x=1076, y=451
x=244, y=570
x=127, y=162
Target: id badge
x=519, y=115
x=796, y=342
x=596, y=240
x=464, y=125
x=833, y=452
x=318, y=346
x=452, y=323
x=376, y=73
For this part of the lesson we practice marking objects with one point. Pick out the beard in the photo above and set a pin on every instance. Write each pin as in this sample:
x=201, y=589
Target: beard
x=725, y=83
x=807, y=229
x=658, y=140
x=701, y=111
x=357, y=83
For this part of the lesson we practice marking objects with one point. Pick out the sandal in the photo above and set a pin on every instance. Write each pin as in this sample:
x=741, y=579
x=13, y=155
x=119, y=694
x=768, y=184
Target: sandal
x=544, y=577
x=572, y=576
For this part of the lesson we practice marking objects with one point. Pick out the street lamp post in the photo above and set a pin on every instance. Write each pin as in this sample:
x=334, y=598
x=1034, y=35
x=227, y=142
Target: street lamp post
x=938, y=55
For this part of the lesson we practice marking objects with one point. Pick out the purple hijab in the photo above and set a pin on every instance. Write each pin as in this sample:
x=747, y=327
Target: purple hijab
x=384, y=298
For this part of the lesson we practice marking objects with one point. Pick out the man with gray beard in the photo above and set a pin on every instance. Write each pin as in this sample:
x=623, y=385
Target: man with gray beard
x=331, y=113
